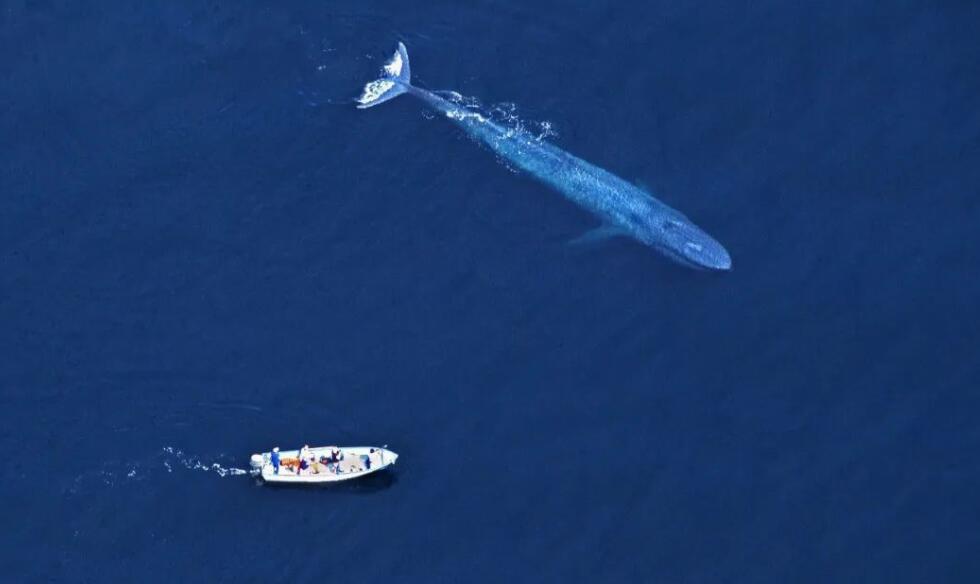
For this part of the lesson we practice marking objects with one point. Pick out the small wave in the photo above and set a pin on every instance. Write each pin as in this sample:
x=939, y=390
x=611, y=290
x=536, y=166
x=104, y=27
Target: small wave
x=231, y=405
x=461, y=115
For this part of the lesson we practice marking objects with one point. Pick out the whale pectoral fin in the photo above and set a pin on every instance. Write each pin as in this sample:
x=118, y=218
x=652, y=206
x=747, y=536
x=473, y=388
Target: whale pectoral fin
x=597, y=235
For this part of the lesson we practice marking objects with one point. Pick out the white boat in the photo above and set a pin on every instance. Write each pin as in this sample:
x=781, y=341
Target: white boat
x=325, y=464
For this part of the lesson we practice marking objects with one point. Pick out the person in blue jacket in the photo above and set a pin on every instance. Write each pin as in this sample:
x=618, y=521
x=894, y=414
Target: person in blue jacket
x=275, y=460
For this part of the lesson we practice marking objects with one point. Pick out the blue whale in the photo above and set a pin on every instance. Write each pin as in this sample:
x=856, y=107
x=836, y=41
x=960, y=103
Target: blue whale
x=623, y=208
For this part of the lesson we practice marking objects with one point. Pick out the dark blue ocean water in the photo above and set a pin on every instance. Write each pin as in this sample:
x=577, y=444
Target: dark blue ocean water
x=205, y=250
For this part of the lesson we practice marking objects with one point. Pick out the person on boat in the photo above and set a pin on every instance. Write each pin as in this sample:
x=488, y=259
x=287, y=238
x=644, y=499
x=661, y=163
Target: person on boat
x=275, y=460
x=304, y=464
x=329, y=463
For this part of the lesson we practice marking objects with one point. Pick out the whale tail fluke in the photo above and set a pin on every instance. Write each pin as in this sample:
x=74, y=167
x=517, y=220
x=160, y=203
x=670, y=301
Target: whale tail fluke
x=394, y=81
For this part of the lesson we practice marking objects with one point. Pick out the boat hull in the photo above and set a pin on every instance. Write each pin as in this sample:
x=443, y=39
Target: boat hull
x=355, y=464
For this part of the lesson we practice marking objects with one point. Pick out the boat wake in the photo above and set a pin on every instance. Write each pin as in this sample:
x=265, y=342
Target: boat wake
x=168, y=460
x=195, y=463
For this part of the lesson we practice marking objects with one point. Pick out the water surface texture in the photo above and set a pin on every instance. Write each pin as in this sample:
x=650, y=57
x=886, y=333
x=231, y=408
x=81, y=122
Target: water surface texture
x=206, y=250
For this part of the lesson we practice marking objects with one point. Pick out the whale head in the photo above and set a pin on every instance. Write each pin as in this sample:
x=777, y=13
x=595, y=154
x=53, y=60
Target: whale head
x=687, y=244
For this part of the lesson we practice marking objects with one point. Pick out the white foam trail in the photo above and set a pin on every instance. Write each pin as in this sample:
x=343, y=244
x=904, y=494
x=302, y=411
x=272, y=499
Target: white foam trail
x=113, y=473
x=195, y=463
x=504, y=114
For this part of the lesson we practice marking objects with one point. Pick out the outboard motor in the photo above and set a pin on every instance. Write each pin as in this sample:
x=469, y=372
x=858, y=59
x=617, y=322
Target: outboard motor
x=257, y=462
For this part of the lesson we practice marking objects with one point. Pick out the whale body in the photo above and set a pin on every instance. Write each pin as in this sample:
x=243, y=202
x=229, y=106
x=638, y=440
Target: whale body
x=623, y=208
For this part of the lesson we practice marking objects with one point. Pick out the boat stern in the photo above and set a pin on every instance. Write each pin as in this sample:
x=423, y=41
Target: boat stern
x=256, y=463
